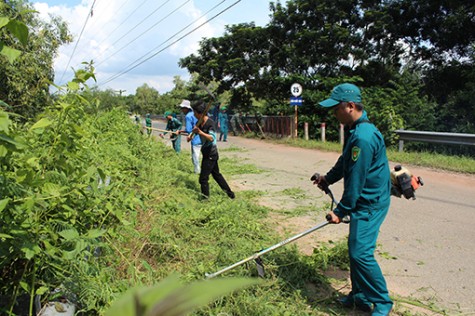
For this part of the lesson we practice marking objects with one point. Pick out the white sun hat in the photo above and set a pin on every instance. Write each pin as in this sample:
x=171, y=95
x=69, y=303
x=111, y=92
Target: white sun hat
x=185, y=104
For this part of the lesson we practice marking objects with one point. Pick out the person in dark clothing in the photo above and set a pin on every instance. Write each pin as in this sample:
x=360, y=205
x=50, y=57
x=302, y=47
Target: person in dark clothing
x=205, y=129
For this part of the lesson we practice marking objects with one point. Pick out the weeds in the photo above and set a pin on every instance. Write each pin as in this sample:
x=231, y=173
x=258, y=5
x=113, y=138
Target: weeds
x=295, y=193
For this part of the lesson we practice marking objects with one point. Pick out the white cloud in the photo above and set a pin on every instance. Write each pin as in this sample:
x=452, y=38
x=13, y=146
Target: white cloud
x=120, y=32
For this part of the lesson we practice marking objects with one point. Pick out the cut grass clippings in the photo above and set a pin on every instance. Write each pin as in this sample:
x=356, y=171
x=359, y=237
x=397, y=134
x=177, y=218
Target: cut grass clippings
x=173, y=231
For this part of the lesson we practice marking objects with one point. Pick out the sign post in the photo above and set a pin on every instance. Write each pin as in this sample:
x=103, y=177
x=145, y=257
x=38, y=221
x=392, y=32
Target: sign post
x=296, y=90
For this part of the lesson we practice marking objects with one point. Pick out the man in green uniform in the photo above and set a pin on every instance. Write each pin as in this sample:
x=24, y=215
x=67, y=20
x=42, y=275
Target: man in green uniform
x=148, y=124
x=173, y=125
x=223, y=124
x=366, y=197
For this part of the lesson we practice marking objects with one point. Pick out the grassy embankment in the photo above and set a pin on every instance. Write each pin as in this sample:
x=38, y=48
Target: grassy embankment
x=461, y=164
x=174, y=232
x=160, y=226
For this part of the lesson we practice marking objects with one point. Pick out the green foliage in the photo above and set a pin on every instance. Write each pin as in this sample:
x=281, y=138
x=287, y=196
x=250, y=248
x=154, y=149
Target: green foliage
x=233, y=167
x=463, y=164
x=105, y=100
x=414, y=59
x=25, y=80
x=17, y=29
x=332, y=255
x=57, y=203
x=146, y=101
x=382, y=105
x=170, y=298
x=436, y=31
x=453, y=86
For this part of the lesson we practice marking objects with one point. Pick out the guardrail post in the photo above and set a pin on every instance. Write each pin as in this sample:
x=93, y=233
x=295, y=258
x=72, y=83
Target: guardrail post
x=305, y=130
x=401, y=145
x=322, y=131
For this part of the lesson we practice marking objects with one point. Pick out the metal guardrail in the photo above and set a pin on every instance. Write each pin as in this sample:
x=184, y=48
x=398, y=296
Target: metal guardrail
x=434, y=137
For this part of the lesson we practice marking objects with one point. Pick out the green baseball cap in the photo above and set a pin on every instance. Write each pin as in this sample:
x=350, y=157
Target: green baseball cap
x=167, y=113
x=345, y=92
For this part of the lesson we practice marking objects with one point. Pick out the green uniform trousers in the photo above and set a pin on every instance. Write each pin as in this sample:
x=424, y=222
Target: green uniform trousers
x=176, y=142
x=368, y=283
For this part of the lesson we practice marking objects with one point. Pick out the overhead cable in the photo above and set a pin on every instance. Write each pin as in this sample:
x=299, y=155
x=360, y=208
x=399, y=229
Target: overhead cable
x=143, y=33
x=125, y=20
x=105, y=9
x=143, y=59
x=77, y=42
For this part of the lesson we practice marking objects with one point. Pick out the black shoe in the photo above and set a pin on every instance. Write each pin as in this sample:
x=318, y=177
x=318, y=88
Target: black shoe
x=349, y=302
x=203, y=198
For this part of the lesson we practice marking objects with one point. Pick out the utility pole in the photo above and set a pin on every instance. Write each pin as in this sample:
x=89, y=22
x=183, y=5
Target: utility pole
x=120, y=91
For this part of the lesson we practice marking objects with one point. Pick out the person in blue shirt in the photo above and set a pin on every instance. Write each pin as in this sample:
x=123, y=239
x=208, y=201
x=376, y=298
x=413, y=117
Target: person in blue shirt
x=223, y=124
x=364, y=167
x=173, y=125
x=205, y=129
x=190, y=122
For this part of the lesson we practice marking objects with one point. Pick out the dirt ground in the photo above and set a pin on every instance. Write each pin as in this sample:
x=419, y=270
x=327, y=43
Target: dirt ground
x=425, y=245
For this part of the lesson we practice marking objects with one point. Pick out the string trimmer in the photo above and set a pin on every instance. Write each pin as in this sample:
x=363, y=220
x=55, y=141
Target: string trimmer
x=165, y=131
x=257, y=255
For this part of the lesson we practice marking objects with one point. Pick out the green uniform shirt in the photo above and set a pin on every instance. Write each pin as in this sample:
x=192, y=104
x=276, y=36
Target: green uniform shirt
x=173, y=125
x=364, y=167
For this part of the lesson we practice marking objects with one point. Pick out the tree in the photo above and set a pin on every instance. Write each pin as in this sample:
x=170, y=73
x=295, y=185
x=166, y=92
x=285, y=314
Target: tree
x=415, y=59
x=105, y=100
x=19, y=30
x=305, y=39
x=24, y=84
x=146, y=100
x=441, y=37
x=453, y=86
x=171, y=99
x=436, y=31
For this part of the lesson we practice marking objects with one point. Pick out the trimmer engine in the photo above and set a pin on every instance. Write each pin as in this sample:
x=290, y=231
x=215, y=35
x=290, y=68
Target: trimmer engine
x=404, y=183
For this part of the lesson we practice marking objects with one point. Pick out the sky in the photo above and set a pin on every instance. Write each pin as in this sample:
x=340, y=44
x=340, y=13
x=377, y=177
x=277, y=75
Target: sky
x=136, y=42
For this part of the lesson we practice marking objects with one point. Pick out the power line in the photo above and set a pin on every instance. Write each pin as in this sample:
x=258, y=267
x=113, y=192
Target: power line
x=120, y=24
x=125, y=20
x=79, y=38
x=147, y=30
x=101, y=10
x=174, y=42
x=168, y=39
